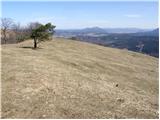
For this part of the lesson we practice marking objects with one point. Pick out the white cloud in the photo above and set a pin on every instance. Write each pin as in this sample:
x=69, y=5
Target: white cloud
x=132, y=15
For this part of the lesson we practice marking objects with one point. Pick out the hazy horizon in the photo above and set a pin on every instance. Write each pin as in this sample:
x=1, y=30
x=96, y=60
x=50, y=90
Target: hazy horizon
x=108, y=28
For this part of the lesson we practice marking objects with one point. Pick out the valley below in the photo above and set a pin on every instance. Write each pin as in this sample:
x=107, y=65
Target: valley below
x=137, y=40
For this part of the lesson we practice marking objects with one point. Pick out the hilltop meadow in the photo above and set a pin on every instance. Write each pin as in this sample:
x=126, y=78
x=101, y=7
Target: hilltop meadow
x=72, y=79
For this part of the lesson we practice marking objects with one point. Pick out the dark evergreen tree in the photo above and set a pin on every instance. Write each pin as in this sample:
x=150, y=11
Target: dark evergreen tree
x=42, y=33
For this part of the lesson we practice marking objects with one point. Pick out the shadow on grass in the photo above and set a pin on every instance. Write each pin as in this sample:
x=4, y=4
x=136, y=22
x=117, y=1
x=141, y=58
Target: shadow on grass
x=28, y=47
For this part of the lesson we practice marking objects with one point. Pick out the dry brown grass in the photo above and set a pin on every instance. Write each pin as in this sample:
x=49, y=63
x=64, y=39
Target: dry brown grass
x=71, y=79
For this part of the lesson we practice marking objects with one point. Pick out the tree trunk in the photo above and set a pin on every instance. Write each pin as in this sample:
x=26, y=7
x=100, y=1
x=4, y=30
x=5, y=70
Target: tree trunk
x=5, y=41
x=35, y=43
x=4, y=36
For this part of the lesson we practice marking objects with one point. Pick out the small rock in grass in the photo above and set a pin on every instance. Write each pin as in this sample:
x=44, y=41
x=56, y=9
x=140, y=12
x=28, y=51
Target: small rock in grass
x=120, y=100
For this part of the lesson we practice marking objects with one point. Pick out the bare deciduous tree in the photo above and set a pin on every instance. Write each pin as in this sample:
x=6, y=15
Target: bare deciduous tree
x=33, y=25
x=18, y=32
x=16, y=27
x=6, y=24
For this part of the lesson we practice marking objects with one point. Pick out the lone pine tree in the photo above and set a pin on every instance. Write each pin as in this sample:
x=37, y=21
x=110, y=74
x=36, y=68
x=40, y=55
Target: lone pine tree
x=42, y=33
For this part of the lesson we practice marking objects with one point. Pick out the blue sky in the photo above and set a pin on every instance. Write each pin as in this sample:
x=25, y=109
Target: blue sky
x=69, y=15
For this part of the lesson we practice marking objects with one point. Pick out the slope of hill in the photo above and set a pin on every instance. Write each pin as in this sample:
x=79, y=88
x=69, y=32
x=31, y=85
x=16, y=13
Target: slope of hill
x=146, y=42
x=72, y=79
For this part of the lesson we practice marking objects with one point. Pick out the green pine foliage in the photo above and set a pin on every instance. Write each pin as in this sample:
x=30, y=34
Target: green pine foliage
x=42, y=33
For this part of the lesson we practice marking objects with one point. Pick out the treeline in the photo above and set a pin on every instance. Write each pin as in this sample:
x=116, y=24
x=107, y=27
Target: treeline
x=13, y=32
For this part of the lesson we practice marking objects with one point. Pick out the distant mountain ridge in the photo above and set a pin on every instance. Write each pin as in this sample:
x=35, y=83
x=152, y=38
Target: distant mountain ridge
x=106, y=30
x=94, y=29
x=154, y=32
x=126, y=30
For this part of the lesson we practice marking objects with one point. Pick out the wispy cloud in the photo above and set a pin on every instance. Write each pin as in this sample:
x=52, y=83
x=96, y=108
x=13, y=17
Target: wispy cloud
x=132, y=15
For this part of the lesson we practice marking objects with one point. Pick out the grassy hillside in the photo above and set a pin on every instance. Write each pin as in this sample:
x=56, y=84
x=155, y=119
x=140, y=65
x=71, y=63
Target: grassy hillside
x=71, y=79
